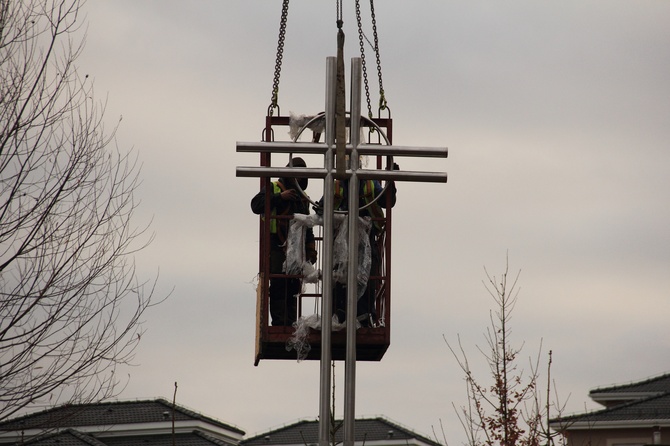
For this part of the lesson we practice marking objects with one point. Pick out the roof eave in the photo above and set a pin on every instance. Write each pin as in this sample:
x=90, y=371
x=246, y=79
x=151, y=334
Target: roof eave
x=137, y=429
x=616, y=396
x=614, y=424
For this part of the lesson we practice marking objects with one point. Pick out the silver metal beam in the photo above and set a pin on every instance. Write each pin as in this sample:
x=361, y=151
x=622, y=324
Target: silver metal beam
x=352, y=273
x=363, y=174
x=403, y=175
x=363, y=149
x=281, y=147
x=327, y=260
x=290, y=172
x=428, y=152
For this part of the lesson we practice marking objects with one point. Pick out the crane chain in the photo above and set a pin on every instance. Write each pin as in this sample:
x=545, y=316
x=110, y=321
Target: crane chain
x=383, y=105
x=364, y=67
x=280, y=54
x=338, y=13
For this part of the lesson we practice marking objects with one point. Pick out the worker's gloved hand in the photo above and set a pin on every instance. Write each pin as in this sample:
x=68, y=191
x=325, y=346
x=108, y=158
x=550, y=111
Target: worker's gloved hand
x=290, y=195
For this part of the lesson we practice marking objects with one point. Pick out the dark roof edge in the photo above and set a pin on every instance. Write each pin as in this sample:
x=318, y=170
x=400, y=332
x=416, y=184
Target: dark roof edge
x=211, y=438
x=380, y=418
x=586, y=415
x=88, y=439
x=197, y=415
x=282, y=427
x=615, y=387
x=609, y=424
x=407, y=429
x=618, y=396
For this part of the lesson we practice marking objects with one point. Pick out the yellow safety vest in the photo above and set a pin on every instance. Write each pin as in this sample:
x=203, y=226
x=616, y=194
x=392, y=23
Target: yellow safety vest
x=277, y=188
x=374, y=210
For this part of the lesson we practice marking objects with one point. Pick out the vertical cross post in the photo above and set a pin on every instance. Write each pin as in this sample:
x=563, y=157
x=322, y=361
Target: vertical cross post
x=352, y=273
x=327, y=300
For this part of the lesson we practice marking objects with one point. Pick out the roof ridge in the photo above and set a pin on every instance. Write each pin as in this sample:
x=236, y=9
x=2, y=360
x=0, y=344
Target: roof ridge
x=645, y=381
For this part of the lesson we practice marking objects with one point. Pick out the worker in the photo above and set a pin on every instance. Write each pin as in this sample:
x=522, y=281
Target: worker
x=367, y=192
x=286, y=199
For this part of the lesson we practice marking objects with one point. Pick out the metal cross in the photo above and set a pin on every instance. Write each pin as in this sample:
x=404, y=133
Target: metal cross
x=354, y=173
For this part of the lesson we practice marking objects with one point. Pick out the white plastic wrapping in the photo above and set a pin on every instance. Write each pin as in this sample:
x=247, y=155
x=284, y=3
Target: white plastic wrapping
x=341, y=252
x=297, y=122
x=299, y=341
x=296, y=263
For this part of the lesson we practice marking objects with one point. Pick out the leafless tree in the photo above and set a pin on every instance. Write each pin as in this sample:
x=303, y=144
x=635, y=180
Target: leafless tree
x=70, y=300
x=511, y=410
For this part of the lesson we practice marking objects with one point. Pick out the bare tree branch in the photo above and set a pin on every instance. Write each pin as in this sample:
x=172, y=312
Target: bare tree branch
x=509, y=411
x=70, y=301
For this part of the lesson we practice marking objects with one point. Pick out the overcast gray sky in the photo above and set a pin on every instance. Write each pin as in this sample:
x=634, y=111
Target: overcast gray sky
x=556, y=117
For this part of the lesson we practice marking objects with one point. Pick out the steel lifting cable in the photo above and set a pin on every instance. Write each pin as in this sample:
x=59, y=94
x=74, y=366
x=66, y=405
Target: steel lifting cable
x=363, y=65
x=280, y=54
x=338, y=13
x=383, y=105
x=340, y=99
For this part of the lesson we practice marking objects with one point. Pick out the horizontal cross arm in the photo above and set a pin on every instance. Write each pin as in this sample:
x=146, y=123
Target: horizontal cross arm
x=378, y=149
x=287, y=172
x=363, y=174
x=281, y=147
x=320, y=148
x=401, y=175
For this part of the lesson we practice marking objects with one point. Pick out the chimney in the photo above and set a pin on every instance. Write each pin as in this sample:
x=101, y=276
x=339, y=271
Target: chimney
x=657, y=435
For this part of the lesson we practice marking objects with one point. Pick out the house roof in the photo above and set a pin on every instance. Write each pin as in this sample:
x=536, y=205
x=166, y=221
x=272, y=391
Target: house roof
x=110, y=414
x=195, y=438
x=651, y=411
x=652, y=386
x=67, y=437
x=306, y=432
x=72, y=437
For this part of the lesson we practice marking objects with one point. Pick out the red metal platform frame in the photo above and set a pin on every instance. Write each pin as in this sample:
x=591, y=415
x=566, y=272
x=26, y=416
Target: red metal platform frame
x=271, y=341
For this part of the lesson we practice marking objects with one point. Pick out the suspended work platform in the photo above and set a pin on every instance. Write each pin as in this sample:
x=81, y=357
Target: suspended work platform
x=373, y=339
